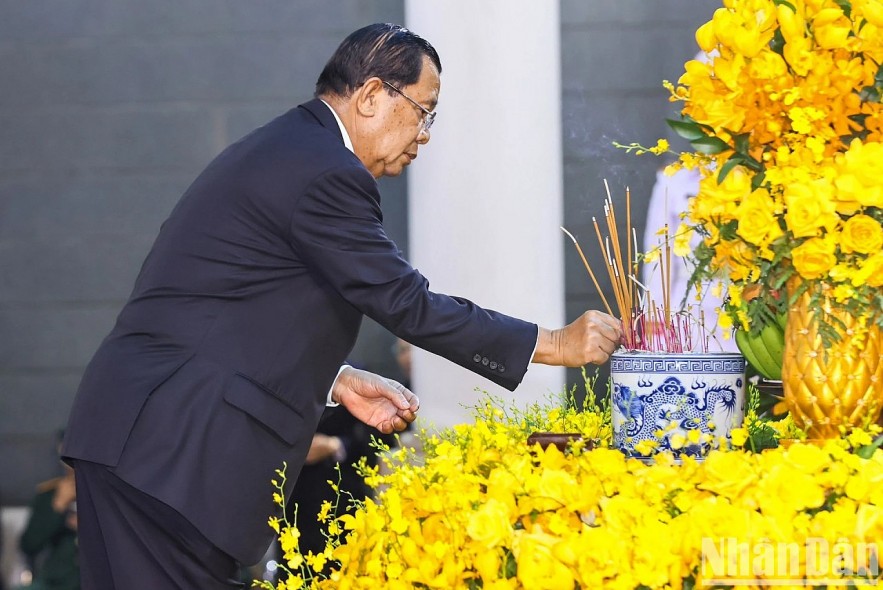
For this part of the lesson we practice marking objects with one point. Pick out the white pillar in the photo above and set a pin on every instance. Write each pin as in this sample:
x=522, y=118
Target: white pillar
x=485, y=195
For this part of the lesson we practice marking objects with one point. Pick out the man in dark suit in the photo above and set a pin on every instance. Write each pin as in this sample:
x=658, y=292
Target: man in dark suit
x=231, y=344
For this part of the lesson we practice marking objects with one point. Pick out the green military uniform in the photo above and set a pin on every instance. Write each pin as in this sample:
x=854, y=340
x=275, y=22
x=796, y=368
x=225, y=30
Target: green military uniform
x=50, y=543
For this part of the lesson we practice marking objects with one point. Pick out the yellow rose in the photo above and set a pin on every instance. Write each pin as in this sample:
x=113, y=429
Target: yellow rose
x=758, y=221
x=794, y=488
x=561, y=487
x=728, y=474
x=490, y=524
x=809, y=208
x=864, y=161
x=807, y=458
x=720, y=201
x=814, y=258
x=538, y=566
x=849, y=191
x=862, y=234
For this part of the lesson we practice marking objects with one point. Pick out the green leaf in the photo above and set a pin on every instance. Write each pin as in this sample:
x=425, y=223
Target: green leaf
x=734, y=161
x=710, y=145
x=509, y=566
x=846, y=6
x=869, y=94
x=779, y=283
x=765, y=437
x=740, y=141
x=728, y=230
x=777, y=43
x=785, y=3
x=689, y=130
x=867, y=451
x=757, y=180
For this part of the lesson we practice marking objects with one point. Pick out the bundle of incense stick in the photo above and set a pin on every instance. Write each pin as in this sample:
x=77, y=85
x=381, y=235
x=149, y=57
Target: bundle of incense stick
x=647, y=325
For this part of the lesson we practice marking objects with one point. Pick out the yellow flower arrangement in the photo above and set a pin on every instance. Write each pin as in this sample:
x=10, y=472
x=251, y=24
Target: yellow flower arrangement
x=483, y=509
x=786, y=121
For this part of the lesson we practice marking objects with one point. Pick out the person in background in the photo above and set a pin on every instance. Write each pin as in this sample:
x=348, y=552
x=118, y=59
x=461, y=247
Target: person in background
x=49, y=539
x=402, y=352
x=668, y=203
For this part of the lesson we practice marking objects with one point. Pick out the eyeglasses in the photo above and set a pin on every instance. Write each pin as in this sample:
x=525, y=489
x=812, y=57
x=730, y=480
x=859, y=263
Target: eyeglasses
x=428, y=116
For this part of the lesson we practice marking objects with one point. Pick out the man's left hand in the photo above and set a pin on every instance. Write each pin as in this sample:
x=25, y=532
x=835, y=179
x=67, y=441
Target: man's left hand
x=385, y=404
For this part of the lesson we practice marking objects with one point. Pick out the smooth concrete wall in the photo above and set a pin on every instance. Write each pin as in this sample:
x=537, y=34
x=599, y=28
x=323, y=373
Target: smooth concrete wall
x=108, y=110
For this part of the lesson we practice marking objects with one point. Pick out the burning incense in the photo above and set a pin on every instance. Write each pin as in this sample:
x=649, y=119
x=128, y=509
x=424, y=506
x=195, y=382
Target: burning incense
x=648, y=325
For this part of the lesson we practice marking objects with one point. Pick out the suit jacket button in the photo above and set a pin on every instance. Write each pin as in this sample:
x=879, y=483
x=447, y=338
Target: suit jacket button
x=493, y=365
x=485, y=361
x=501, y=368
x=477, y=358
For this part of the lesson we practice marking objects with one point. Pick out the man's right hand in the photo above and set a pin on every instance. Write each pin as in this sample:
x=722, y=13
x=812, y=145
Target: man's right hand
x=592, y=338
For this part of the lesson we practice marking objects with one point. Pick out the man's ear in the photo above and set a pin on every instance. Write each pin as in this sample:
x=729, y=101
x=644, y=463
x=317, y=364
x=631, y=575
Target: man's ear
x=368, y=97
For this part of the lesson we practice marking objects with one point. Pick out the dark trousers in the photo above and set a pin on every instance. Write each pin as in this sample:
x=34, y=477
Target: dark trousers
x=131, y=541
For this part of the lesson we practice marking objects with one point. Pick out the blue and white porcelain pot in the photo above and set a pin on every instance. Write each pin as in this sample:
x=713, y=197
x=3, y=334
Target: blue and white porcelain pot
x=683, y=403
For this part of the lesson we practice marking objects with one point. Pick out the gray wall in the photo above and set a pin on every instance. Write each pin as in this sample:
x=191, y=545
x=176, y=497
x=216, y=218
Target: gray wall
x=109, y=108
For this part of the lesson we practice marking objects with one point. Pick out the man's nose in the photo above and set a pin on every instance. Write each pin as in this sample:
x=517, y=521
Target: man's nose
x=423, y=137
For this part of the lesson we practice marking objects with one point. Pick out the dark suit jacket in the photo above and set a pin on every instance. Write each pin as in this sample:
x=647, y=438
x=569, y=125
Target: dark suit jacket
x=251, y=298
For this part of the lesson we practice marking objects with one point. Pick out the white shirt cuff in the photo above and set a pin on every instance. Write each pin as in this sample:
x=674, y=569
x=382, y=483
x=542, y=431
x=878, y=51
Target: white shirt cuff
x=535, y=346
x=329, y=403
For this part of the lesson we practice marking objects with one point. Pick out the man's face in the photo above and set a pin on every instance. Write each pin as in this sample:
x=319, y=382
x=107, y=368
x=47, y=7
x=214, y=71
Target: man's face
x=400, y=132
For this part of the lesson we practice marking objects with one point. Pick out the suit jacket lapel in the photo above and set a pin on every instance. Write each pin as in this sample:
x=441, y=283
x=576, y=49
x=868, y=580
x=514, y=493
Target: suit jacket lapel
x=323, y=114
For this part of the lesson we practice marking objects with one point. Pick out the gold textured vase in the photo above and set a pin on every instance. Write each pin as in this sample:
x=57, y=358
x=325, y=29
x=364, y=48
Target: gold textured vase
x=826, y=388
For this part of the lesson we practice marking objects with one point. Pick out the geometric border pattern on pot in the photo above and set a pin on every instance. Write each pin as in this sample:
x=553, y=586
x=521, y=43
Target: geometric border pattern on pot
x=699, y=364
